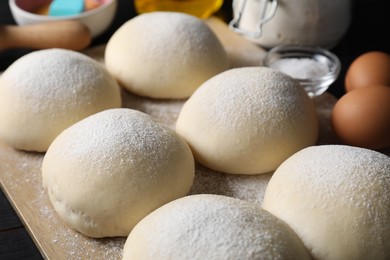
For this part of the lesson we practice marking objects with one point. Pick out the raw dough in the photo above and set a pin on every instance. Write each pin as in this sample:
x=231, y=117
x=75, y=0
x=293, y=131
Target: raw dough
x=164, y=54
x=106, y=172
x=337, y=199
x=44, y=92
x=212, y=227
x=248, y=120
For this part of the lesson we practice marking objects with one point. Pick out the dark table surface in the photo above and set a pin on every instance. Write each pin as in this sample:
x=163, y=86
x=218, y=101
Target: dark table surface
x=369, y=31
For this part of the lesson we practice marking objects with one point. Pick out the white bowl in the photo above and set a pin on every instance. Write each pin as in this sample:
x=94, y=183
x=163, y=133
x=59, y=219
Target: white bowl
x=314, y=85
x=97, y=20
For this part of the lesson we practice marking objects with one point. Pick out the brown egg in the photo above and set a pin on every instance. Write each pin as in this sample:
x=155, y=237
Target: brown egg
x=371, y=68
x=362, y=117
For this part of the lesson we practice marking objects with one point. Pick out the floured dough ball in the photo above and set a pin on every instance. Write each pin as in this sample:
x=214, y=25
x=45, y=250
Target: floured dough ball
x=46, y=91
x=164, y=54
x=106, y=172
x=337, y=199
x=212, y=227
x=248, y=120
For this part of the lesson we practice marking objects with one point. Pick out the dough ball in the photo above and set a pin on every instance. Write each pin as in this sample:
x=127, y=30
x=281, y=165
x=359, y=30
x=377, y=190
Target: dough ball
x=164, y=54
x=212, y=227
x=248, y=120
x=46, y=91
x=108, y=171
x=337, y=199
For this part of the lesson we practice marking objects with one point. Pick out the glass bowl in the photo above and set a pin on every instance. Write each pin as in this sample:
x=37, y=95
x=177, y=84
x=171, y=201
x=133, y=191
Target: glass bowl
x=315, y=68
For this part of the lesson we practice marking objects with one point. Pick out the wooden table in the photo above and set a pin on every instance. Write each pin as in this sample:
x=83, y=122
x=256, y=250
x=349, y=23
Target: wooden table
x=369, y=31
x=15, y=242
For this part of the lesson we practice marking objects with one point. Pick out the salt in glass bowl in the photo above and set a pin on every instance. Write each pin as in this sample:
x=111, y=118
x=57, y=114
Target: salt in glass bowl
x=97, y=20
x=315, y=68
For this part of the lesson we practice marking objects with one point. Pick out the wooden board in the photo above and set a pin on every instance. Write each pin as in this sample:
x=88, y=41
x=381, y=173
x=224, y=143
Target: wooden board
x=20, y=175
x=20, y=172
